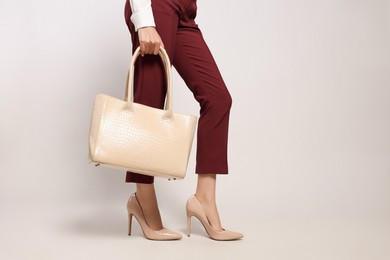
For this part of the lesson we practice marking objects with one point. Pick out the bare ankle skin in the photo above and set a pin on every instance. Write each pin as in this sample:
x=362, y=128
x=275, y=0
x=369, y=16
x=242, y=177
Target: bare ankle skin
x=205, y=193
x=146, y=195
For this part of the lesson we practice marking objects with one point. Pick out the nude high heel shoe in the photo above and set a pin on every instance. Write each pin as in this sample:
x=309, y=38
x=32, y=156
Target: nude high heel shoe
x=194, y=208
x=134, y=209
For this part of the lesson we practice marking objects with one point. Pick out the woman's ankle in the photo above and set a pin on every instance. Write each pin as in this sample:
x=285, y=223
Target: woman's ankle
x=147, y=198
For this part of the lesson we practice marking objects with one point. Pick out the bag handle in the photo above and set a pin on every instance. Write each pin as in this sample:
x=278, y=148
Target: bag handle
x=130, y=79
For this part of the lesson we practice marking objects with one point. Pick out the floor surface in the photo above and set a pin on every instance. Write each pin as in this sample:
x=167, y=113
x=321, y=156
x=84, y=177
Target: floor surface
x=100, y=232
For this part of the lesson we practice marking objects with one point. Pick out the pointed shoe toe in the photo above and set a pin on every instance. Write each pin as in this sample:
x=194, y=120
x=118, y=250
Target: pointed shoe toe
x=163, y=234
x=228, y=235
x=172, y=235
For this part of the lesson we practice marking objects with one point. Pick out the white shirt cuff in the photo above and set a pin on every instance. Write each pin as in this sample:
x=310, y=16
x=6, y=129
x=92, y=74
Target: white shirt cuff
x=142, y=13
x=143, y=18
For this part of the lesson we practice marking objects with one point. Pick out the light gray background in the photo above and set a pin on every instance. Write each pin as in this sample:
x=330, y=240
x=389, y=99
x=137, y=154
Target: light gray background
x=309, y=147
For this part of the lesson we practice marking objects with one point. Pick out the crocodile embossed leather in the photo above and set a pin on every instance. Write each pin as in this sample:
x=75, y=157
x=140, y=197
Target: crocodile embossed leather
x=130, y=136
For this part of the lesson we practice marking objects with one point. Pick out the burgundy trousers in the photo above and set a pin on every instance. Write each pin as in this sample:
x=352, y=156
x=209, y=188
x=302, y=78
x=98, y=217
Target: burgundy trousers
x=194, y=62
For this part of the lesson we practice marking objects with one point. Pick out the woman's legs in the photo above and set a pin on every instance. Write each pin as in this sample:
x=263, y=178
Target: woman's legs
x=193, y=60
x=195, y=64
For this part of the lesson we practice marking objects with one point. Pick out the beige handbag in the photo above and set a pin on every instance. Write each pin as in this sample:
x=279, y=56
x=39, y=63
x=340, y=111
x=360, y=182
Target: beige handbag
x=138, y=138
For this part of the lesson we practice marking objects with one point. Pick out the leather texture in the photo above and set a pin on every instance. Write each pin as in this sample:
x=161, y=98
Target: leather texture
x=134, y=137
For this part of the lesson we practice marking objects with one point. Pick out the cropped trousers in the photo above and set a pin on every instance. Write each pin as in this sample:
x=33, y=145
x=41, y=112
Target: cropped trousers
x=192, y=59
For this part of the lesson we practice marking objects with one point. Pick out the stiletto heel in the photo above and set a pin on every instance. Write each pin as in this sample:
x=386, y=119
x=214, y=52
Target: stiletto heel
x=130, y=218
x=134, y=208
x=194, y=208
x=188, y=225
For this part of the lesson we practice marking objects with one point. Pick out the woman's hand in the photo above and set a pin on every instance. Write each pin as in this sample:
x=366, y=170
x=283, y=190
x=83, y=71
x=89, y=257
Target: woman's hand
x=149, y=40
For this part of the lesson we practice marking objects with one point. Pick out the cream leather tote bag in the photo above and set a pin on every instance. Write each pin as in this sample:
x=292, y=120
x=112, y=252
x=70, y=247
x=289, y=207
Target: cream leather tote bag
x=138, y=138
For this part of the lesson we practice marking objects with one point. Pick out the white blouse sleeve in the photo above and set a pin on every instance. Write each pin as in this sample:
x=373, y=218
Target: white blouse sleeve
x=142, y=14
